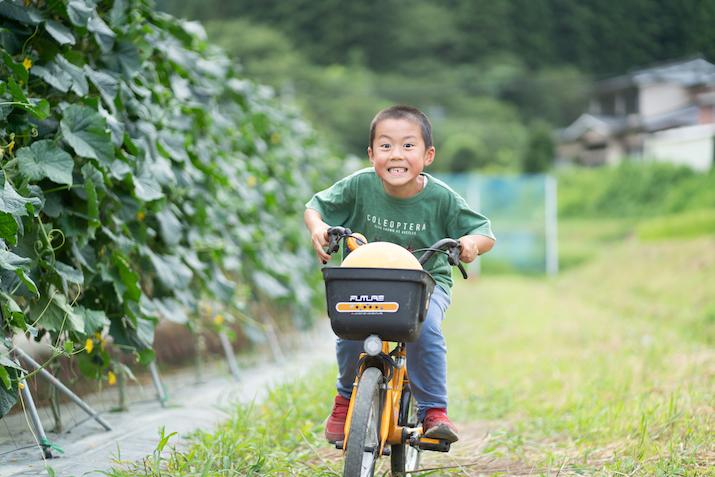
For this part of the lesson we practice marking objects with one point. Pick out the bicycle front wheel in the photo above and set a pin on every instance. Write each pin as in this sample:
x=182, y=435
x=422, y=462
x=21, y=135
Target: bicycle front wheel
x=364, y=438
x=405, y=458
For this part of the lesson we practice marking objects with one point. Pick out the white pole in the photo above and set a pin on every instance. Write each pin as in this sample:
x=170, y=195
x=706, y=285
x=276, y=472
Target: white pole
x=474, y=200
x=551, y=223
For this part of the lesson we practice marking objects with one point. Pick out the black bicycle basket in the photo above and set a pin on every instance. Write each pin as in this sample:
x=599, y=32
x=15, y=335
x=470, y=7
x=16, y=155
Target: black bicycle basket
x=388, y=302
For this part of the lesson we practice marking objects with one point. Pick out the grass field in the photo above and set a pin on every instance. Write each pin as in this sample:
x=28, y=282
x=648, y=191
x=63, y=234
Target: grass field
x=608, y=369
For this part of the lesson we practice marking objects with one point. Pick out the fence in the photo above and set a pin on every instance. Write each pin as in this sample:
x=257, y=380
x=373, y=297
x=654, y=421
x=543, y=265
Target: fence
x=523, y=213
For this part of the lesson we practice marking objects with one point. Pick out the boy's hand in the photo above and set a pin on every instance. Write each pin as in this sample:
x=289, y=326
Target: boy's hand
x=470, y=248
x=473, y=246
x=319, y=237
x=318, y=233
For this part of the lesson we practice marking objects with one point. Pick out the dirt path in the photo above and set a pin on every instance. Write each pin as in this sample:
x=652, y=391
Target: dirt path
x=88, y=449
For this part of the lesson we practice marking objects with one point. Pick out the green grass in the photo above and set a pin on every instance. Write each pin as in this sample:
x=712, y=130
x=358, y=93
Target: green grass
x=608, y=369
x=686, y=225
x=280, y=436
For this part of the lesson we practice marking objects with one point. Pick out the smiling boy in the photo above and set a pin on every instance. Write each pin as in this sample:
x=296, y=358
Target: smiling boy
x=395, y=201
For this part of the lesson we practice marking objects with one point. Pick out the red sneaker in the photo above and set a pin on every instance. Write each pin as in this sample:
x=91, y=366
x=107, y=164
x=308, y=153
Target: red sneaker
x=438, y=426
x=335, y=424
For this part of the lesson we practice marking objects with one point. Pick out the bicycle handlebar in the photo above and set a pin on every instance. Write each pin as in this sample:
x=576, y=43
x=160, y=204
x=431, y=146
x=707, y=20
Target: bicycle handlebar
x=452, y=247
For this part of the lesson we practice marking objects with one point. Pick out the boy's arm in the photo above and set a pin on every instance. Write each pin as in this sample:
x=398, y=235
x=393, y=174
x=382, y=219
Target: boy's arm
x=318, y=233
x=474, y=245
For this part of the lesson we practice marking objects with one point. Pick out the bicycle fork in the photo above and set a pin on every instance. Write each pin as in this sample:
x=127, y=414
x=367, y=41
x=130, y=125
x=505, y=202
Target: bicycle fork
x=392, y=364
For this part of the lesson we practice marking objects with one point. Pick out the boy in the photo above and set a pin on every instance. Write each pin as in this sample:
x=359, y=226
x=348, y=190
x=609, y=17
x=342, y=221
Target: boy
x=394, y=201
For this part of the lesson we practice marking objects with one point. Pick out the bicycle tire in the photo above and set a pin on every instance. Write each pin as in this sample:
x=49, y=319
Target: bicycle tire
x=364, y=439
x=403, y=457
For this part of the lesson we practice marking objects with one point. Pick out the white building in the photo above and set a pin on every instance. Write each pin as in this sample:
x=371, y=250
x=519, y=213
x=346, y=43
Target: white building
x=662, y=113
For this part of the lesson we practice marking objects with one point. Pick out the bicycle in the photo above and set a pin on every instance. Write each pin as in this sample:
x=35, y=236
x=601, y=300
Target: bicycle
x=382, y=414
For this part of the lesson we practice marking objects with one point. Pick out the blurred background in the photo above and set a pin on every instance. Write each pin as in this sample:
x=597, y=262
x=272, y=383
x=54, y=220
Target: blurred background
x=512, y=87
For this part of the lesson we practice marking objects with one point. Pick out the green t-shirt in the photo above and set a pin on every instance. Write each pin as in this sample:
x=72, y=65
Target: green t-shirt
x=360, y=203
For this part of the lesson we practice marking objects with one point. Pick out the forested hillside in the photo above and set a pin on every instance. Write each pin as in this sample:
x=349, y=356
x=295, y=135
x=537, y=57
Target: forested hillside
x=496, y=76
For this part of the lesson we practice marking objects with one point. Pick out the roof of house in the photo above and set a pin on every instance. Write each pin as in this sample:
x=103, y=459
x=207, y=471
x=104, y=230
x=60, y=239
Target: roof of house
x=605, y=125
x=688, y=73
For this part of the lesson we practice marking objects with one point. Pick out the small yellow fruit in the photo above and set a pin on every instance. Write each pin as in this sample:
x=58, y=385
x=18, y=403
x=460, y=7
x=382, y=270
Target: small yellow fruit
x=89, y=345
x=355, y=241
x=20, y=386
x=111, y=378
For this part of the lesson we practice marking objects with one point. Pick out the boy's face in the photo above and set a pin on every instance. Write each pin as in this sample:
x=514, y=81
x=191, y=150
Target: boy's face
x=399, y=155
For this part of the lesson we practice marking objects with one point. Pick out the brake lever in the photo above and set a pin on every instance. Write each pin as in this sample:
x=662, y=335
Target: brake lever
x=464, y=272
x=334, y=241
x=453, y=258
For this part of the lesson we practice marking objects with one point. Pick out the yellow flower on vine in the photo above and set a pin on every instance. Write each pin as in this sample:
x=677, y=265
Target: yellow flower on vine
x=251, y=181
x=27, y=64
x=101, y=340
x=11, y=146
x=21, y=386
x=140, y=216
x=111, y=378
x=89, y=345
x=218, y=319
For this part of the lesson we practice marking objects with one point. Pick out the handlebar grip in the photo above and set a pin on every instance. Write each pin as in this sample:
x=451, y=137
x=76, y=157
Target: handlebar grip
x=334, y=236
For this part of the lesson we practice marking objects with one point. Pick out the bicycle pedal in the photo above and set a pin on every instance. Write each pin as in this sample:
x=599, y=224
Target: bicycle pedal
x=339, y=445
x=438, y=445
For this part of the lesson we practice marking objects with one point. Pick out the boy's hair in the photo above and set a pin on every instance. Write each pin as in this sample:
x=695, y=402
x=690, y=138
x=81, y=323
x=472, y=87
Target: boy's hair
x=404, y=112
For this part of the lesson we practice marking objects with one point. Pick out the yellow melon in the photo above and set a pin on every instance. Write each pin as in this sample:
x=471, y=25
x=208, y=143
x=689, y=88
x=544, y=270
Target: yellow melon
x=381, y=255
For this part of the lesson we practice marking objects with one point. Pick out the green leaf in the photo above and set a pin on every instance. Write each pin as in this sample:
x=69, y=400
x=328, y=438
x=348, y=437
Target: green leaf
x=171, y=310
x=15, y=90
x=92, y=207
x=44, y=159
x=8, y=228
x=13, y=313
x=68, y=346
x=69, y=273
x=17, y=69
x=40, y=108
x=26, y=15
x=106, y=84
x=85, y=130
x=270, y=287
x=53, y=76
x=147, y=188
x=79, y=81
x=169, y=226
x=5, y=378
x=29, y=283
x=127, y=55
x=129, y=278
x=102, y=33
x=117, y=14
x=94, y=320
x=15, y=204
x=54, y=313
x=10, y=261
x=172, y=273
x=59, y=32
x=79, y=12
x=8, y=398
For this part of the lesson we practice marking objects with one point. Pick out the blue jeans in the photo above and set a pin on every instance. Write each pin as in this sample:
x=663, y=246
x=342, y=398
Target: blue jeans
x=426, y=359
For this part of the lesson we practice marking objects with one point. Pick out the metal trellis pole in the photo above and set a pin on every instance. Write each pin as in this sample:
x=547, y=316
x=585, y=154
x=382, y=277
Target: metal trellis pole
x=230, y=356
x=35, y=419
x=160, y=394
x=64, y=389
